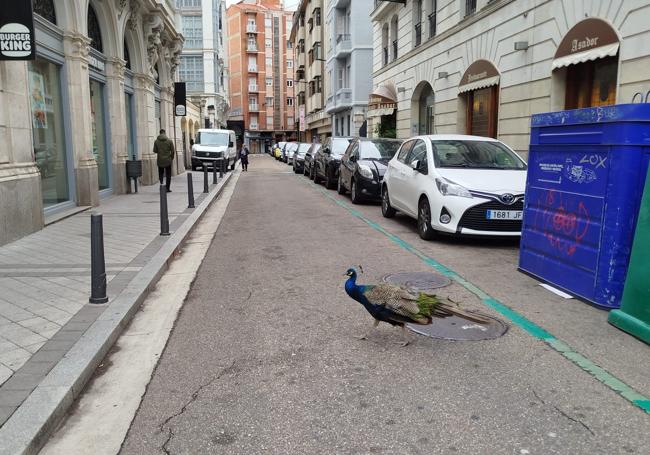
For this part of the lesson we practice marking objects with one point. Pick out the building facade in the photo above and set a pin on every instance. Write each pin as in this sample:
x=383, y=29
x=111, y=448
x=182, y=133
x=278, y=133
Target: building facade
x=204, y=60
x=96, y=95
x=309, y=36
x=485, y=66
x=261, y=64
x=349, y=56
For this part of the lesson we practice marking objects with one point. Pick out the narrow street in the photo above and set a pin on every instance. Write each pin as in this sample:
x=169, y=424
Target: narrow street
x=263, y=356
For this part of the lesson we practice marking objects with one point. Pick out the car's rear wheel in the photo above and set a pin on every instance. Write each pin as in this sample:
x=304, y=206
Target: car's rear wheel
x=339, y=185
x=354, y=195
x=316, y=177
x=330, y=182
x=386, y=209
x=425, y=230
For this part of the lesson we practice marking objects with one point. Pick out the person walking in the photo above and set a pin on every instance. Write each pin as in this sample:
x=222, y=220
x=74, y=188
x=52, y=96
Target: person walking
x=164, y=148
x=243, y=155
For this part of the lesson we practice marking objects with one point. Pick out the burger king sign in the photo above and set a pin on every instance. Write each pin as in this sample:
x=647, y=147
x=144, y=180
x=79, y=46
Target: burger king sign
x=17, y=31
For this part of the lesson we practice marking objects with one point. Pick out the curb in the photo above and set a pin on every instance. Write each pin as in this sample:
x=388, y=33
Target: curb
x=31, y=425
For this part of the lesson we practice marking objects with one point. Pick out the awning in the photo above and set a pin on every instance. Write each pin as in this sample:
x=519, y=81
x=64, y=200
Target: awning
x=481, y=83
x=381, y=111
x=386, y=91
x=609, y=50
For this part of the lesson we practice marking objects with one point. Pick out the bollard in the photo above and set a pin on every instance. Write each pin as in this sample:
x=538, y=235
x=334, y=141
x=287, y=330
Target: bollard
x=97, y=263
x=214, y=174
x=205, y=178
x=221, y=168
x=190, y=191
x=164, y=218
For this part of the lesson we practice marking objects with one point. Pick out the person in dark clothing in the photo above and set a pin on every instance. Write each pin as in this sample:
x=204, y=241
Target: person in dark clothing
x=164, y=148
x=243, y=155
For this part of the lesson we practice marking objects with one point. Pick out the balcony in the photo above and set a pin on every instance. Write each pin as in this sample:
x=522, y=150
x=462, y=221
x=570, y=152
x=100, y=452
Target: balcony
x=329, y=104
x=343, y=45
x=253, y=69
x=253, y=88
x=251, y=28
x=253, y=108
x=254, y=126
x=340, y=101
x=250, y=48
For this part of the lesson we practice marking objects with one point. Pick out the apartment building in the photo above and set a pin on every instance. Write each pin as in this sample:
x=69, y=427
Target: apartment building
x=309, y=37
x=261, y=63
x=485, y=66
x=349, y=56
x=204, y=62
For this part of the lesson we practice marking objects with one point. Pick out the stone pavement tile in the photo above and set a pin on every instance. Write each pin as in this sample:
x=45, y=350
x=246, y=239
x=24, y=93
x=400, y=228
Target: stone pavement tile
x=4, y=321
x=35, y=368
x=12, y=312
x=5, y=412
x=6, y=345
x=36, y=346
x=14, y=359
x=51, y=356
x=12, y=397
x=39, y=325
x=22, y=381
x=58, y=345
x=5, y=373
x=53, y=314
x=20, y=335
x=65, y=334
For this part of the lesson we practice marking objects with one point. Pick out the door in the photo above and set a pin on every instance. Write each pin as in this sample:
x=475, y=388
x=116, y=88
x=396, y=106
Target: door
x=348, y=162
x=396, y=181
x=415, y=181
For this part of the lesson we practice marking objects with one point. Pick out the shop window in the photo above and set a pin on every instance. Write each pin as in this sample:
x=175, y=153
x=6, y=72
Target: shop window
x=99, y=133
x=48, y=133
x=94, y=31
x=482, y=112
x=591, y=84
x=45, y=9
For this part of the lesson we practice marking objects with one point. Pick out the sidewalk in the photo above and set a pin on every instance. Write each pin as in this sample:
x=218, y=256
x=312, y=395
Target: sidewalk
x=45, y=279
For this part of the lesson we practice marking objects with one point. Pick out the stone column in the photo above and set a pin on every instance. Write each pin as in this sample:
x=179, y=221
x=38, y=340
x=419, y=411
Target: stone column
x=21, y=202
x=168, y=122
x=76, y=48
x=145, y=113
x=117, y=116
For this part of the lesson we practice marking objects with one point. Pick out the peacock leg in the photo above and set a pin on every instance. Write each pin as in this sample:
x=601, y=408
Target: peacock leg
x=407, y=337
x=365, y=335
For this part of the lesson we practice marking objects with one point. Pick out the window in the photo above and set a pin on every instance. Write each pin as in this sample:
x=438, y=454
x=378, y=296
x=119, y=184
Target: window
x=289, y=45
x=417, y=21
x=317, y=16
x=267, y=22
x=289, y=63
x=193, y=31
x=418, y=152
x=269, y=61
x=289, y=101
x=432, y=18
x=94, y=32
x=319, y=84
x=45, y=9
x=591, y=84
x=470, y=7
x=269, y=101
x=289, y=82
x=393, y=34
x=191, y=72
x=269, y=81
x=404, y=151
x=317, y=51
x=290, y=121
x=475, y=154
x=267, y=42
x=188, y=3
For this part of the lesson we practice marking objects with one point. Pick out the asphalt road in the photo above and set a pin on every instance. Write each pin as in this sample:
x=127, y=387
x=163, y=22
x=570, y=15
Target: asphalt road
x=263, y=358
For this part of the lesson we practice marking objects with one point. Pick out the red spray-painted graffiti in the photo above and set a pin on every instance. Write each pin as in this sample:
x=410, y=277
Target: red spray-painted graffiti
x=563, y=228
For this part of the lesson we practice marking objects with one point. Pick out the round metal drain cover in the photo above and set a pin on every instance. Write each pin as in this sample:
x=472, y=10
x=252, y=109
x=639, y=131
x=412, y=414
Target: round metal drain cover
x=459, y=329
x=417, y=281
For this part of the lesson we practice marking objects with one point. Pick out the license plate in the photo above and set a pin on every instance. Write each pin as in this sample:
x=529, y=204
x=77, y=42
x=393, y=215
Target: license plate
x=504, y=214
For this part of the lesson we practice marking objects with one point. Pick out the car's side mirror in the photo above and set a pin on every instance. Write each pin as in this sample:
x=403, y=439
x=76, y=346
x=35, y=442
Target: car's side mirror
x=415, y=165
x=230, y=144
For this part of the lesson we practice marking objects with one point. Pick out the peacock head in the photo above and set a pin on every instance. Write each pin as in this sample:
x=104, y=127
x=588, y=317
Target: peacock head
x=351, y=273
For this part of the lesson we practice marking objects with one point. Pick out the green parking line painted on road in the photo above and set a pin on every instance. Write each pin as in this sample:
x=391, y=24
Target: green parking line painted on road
x=517, y=319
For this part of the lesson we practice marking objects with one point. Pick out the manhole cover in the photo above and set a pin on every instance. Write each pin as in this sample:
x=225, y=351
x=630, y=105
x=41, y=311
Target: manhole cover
x=417, y=281
x=459, y=329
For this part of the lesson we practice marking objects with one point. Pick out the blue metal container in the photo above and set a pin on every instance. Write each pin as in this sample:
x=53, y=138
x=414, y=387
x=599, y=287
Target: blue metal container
x=586, y=175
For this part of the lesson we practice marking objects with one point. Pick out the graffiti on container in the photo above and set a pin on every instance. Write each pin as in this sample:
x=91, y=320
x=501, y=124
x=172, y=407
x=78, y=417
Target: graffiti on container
x=578, y=173
x=564, y=228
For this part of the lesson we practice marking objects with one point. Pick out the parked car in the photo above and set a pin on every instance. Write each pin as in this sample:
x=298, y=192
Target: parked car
x=277, y=152
x=309, y=158
x=327, y=160
x=363, y=166
x=299, y=157
x=456, y=184
x=288, y=151
x=212, y=146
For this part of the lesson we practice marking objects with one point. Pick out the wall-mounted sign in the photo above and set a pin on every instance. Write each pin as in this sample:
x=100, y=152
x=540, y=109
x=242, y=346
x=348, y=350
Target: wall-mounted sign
x=480, y=74
x=301, y=111
x=180, y=100
x=17, y=31
x=589, y=39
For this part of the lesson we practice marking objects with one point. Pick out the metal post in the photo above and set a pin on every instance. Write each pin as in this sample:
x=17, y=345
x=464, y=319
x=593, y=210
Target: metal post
x=135, y=183
x=164, y=218
x=97, y=263
x=190, y=191
x=205, y=178
x=214, y=174
x=221, y=168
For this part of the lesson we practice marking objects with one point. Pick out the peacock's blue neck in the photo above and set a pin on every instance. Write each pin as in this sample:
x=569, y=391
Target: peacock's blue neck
x=353, y=289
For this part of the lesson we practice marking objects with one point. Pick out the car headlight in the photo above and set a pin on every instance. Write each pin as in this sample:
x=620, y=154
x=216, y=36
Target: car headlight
x=448, y=188
x=365, y=171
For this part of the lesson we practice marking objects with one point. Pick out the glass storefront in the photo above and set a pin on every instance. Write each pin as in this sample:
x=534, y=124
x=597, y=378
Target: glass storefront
x=130, y=133
x=99, y=133
x=48, y=131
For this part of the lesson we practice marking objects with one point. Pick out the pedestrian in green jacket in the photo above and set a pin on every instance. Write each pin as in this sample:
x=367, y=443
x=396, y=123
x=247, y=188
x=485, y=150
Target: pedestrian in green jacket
x=164, y=148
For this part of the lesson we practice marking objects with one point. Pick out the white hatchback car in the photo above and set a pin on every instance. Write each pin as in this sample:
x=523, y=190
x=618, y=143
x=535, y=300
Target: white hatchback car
x=456, y=184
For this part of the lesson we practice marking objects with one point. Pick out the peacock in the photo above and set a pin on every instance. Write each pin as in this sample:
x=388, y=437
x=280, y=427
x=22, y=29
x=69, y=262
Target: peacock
x=397, y=305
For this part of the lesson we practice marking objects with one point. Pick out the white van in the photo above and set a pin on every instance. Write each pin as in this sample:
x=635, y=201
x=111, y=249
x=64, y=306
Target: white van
x=211, y=145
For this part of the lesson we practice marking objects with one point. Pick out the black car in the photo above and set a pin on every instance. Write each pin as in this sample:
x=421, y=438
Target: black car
x=309, y=157
x=363, y=167
x=298, y=161
x=327, y=160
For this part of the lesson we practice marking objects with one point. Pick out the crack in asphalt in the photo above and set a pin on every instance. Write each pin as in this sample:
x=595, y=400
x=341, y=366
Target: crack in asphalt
x=573, y=419
x=170, y=433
